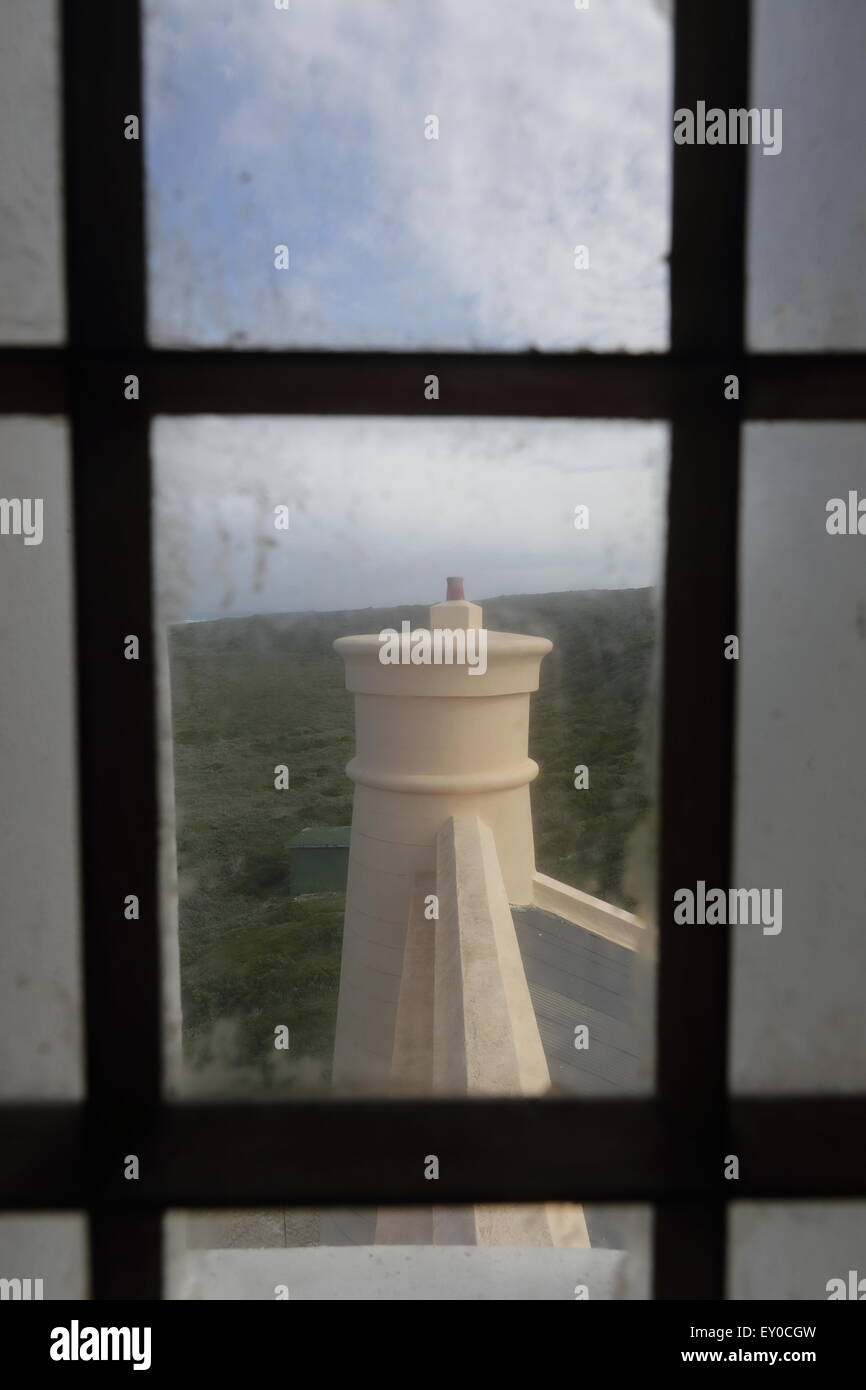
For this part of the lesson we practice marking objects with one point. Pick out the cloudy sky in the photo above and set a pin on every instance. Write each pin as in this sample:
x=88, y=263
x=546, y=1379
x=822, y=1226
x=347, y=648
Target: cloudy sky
x=381, y=510
x=306, y=128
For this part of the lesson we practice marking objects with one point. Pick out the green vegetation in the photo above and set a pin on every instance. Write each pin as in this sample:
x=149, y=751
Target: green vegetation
x=248, y=693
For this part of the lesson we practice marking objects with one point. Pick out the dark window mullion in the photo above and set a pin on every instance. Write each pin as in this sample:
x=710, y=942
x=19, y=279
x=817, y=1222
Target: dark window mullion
x=116, y=698
x=503, y=1150
x=774, y=386
x=707, y=309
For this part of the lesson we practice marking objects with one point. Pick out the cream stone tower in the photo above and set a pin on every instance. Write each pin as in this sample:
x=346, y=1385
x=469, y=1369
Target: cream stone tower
x=432, y=741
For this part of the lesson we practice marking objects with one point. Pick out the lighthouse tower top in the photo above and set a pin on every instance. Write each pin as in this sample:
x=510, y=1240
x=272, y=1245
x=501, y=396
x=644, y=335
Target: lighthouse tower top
x=456, y=611
x=511, y=659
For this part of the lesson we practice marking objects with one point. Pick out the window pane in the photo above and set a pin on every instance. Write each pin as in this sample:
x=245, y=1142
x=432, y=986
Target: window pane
x=796, y=1251
x=31, y=294
x=304, y=1255
x=429, y=170
x=40, y=990
x=301, y=882
x=43, y=1256
x=798, y=1018
x=807, y=204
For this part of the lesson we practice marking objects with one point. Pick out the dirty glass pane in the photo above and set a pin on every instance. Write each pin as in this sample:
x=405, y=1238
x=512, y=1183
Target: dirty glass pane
x=314, y=833
x=43, y=1256
x=31, y=293
x=387, y=175
x=796, y=1251
x=40, y=987
x=798, y=1018
x=531, y=1252
x=807, y=204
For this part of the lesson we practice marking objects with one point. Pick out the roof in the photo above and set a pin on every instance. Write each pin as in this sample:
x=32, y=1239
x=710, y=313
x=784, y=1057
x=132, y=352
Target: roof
x=316, y=837
x=576, y=977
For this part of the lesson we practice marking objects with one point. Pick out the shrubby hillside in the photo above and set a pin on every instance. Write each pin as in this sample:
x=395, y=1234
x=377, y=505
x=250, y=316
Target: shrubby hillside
x=248, y=693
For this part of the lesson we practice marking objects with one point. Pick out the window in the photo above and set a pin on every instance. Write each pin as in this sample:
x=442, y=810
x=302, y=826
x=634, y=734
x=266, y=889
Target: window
x=379, y=507
x=123, y=396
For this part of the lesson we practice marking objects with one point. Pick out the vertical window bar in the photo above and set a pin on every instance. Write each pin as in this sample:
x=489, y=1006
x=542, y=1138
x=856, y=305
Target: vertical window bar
x=111, y=485
x=707, y=292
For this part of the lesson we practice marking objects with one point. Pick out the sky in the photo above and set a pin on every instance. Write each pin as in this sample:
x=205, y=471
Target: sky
x=382, y=510
x=306, y=128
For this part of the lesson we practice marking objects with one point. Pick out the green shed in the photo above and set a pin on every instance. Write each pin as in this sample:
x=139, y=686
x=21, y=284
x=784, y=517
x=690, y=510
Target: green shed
x=319, y=860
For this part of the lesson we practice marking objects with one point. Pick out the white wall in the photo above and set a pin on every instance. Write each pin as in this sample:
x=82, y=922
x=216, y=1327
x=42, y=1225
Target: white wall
x=790, y=1250
x=40, y=988
x=31, y=292
x=798, y=1021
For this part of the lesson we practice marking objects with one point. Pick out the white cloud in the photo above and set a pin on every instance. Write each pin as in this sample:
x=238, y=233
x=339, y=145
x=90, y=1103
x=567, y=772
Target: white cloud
x=383, y=509
x=554, y=131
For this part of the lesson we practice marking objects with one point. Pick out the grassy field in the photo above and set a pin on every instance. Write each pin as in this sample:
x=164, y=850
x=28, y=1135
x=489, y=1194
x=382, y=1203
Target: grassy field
x=250, y=693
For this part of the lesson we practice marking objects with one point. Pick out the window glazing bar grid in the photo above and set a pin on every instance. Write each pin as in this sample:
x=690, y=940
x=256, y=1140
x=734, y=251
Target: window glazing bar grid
x=631, y=1150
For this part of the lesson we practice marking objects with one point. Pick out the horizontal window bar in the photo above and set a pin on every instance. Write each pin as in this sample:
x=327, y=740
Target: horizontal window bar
x=361, y=1152
x=777, y=386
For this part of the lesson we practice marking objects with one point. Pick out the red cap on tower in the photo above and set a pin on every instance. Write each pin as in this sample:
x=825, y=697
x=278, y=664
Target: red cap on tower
x=455, y=587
